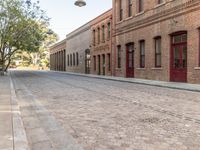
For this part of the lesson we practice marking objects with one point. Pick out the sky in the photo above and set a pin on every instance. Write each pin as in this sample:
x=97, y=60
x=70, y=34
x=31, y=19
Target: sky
x=66, y=17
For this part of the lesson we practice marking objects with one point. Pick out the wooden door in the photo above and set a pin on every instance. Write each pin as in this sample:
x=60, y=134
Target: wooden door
x=178, y=69
x=130, y=60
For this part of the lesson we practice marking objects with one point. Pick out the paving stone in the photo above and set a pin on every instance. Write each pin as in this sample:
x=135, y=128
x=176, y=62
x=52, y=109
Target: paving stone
x=45, y=145
x=104, y=115
x=36, y=135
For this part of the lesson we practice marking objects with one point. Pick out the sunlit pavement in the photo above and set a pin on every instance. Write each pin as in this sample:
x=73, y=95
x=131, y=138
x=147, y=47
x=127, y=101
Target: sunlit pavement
x=62, y=111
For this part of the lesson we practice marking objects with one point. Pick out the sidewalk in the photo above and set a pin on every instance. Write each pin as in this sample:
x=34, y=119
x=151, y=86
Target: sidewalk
x=12, y=132
x=6, y=133
x=172, y=85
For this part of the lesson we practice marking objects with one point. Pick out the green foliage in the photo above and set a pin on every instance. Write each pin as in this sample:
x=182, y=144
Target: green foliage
x=22, y=27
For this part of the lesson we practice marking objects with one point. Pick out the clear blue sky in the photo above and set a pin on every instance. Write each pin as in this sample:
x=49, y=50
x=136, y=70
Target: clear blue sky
x=66, y=17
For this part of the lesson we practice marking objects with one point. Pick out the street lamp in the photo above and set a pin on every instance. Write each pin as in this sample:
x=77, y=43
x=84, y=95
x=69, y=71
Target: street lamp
x=80, y=3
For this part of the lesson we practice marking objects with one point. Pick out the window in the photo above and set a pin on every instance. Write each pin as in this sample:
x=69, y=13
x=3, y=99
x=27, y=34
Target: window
x=99, y=64
x=67, y=60
x=120, y=10
x=94, y=63
x=160, y=1
x=74, y=59
x=70, y=59
x=77, y=59
x=119, y=56
x=98, y=35
x=140, y=6
x=181, y=38
x=130, y=55
x=108, y=62
x=142, y=54
x=130, y=8
x=199, y=47
x=103, y=33
x=158, y=52
x=109, y=30
x=179, y=50
x=94, y=38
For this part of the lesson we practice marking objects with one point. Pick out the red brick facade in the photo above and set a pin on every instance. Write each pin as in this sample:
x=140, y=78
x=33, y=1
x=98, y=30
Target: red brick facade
x=164, y=20
x=101, y=53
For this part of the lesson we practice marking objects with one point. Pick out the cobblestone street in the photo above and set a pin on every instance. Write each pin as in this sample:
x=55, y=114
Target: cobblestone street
x=62, y=111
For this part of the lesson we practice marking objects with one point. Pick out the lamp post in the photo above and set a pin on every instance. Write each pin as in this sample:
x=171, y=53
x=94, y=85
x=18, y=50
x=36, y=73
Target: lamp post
x=80, y=3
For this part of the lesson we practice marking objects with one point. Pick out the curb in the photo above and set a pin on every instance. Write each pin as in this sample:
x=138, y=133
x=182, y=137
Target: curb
x=164, y=85
x=20, y=141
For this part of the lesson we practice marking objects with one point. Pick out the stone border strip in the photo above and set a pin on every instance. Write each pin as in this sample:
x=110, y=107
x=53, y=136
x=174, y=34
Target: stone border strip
x=20, y=141
x=163, y=84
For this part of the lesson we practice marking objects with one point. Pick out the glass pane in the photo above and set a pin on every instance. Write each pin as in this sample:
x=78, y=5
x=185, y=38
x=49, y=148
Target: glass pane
x=158, y=60
x=177, y=57
x=103, y=59
x=177, y=39
x=184, y=56
x=130, y=48
x=130, y=60
x=184, y=38
x=158, y=46
x=142, y=61
x=142, y=48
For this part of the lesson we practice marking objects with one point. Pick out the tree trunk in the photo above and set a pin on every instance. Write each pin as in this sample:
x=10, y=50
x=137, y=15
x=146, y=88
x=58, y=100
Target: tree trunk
x=6, y=68
x=2, y=66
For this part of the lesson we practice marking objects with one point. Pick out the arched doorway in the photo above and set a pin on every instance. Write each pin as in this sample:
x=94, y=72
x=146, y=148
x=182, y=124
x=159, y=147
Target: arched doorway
x=178, y=62
x=87, y=61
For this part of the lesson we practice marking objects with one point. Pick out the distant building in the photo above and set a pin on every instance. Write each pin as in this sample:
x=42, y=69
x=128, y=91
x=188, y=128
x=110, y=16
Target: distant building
x=101, y=47
x=78, y=50
x=58, y=56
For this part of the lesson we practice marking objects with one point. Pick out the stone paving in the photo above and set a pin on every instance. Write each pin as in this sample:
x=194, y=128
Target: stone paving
x=97, y=114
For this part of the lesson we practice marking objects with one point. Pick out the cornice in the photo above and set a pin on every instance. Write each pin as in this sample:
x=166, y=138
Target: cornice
x=58, y=44
x=166, y=14
x=76, y=32
x=87, y=26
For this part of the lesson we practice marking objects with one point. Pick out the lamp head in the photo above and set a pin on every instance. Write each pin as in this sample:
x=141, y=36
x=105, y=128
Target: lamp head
x=80, y=3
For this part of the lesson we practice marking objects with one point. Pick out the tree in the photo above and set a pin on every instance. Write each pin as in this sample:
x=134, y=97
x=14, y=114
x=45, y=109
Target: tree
x=22, y=26
x=41, y=57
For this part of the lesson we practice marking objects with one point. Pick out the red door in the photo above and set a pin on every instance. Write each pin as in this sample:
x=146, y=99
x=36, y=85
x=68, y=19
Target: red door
x=178, y=70
x=130, y=60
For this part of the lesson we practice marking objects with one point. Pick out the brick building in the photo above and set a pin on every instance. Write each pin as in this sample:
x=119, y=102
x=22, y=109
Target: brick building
x=148, y=39
x=78, y=50
x=101, y=48
x=58, y=55
x=157, y=39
